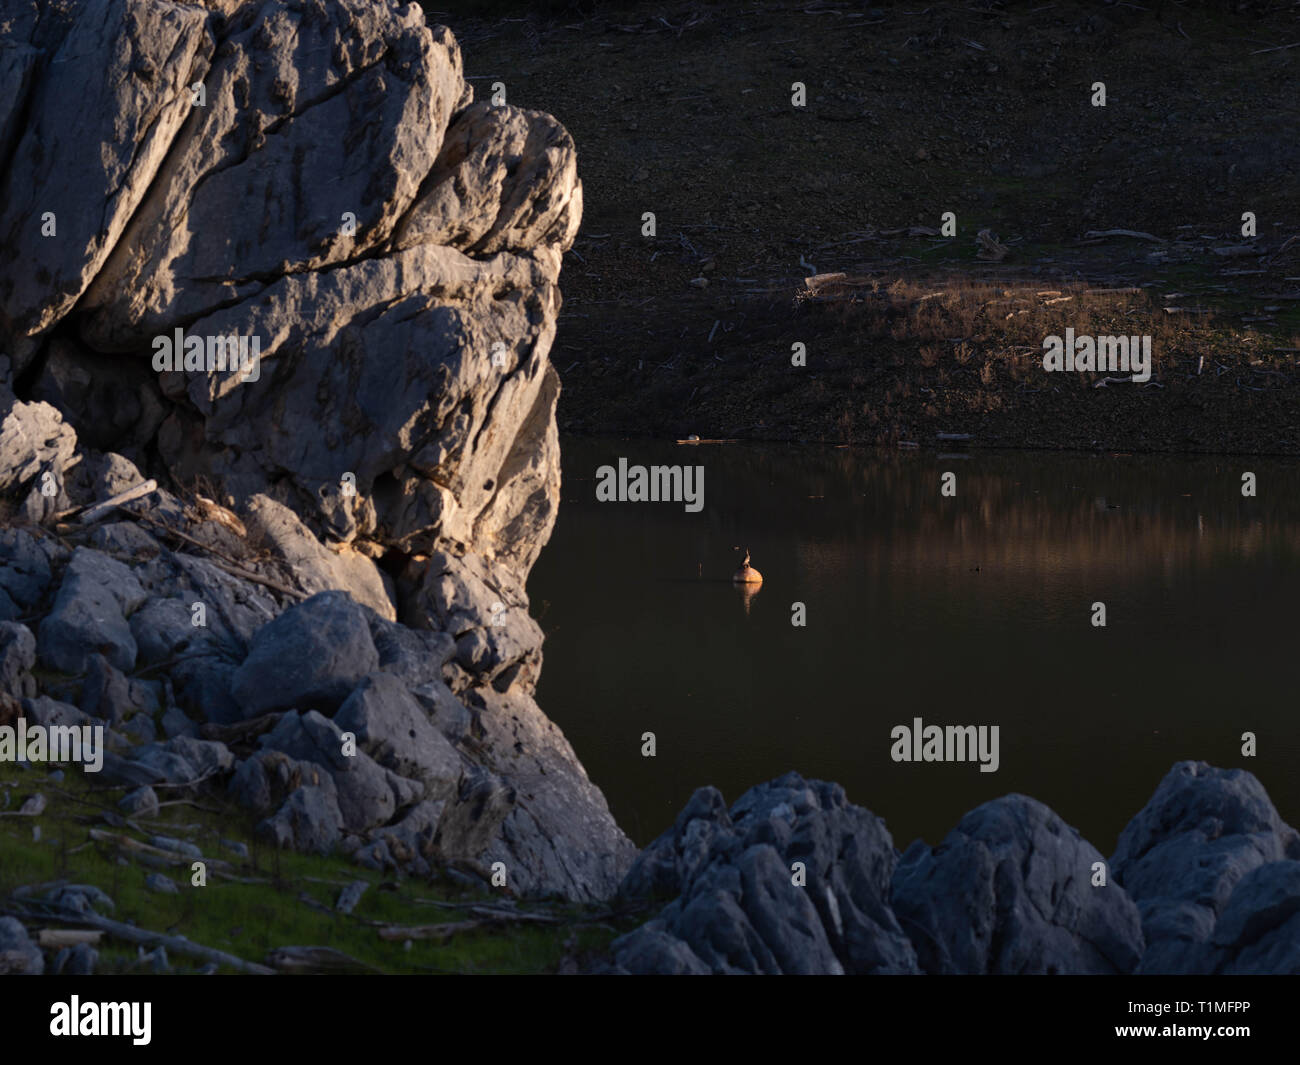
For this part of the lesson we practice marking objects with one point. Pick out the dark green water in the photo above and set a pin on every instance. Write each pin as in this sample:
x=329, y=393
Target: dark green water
x=1201, y=588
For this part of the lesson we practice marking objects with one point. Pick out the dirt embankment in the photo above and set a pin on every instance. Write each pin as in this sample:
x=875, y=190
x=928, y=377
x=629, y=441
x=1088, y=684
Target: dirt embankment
x=984, y=110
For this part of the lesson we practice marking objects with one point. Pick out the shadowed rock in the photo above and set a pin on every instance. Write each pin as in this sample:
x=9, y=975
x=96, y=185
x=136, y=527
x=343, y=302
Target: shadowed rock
x=1010, y=890
x=18, y=954
x=794, y=879
x=89, y=614
x=392, y=727
x=312, y=655
x=1259, y=930
x=1183, y=855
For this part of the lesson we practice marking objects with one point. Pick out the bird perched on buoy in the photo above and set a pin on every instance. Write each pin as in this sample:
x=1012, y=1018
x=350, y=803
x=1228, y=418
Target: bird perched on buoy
x=747, y=574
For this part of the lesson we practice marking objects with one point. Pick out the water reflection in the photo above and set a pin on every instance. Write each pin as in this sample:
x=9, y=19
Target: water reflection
x=747, y=592
x=968, y=610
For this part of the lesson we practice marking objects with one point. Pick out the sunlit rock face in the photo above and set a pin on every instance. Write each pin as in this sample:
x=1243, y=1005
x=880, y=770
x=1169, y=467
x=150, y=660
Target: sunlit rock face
x=273, y=252
x=310, y=176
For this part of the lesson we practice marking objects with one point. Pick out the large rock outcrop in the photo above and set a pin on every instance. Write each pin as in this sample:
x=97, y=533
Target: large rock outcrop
x=271, y=255
x=311, y=178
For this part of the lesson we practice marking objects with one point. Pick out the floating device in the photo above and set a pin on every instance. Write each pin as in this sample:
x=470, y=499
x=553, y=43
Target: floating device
x=747, y=574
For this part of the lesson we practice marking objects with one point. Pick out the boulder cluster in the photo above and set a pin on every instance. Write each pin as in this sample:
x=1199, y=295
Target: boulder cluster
x=795, y=879
x=277, y=423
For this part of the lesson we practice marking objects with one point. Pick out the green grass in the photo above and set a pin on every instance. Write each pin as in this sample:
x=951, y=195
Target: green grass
x=250, y=919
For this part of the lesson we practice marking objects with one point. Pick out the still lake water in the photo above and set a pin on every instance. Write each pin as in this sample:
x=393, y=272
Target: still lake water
x=968, y=610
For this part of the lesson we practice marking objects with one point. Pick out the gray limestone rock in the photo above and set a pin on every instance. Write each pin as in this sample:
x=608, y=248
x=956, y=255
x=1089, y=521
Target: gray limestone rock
x=794, y=879
x=18, y=954
x=1010, y=890
x=97, y=595
x=1183, y=855
x=311, y=656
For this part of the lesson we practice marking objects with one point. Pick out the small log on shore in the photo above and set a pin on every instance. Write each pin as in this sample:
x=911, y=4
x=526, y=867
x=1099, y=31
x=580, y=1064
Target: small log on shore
x=1099, y=234
x=315, y=960
x=54, y=938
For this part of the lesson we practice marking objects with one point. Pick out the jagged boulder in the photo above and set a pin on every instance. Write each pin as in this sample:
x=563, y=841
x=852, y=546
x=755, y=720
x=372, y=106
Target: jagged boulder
x=393, y=728
x=368, y=794
x=1258, y=931
x=309, y=820
x=496, y=639
x=1183, y=855
x=17, y=657
x=506, y=179
x=558, y=834
x=104, y=111
x=183, y=760
x=402, y=311
x=794, y=879
x=263, y=781
x=25, y=570
x=34, y=440
x=311, y=656
x=314, y=566
x=97, y=595
x=1011, y=890
x=359, y=90
x=18, y=954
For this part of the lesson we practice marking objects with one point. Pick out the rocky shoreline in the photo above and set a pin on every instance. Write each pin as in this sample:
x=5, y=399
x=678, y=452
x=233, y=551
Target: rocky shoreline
x=1204, y=880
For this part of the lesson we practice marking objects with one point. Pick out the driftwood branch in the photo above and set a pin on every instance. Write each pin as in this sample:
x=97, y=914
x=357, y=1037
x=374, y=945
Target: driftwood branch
x=172, y=944
x=483, y=916
x=95, y=511
x=1279, y=48
x=126, y=843
x=1098, y=234
x=315, y=960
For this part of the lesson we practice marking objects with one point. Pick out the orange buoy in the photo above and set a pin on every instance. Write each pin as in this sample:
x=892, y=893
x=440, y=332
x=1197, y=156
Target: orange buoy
x=747, y=574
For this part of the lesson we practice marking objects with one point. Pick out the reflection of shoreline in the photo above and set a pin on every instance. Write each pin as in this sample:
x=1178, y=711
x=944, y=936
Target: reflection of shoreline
x=1140, y=545
x=1029, y=511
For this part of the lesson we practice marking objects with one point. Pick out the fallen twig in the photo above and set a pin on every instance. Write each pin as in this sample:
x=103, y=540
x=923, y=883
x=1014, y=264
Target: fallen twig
x=315, y=960
x=126, y=843
x=483, y=916
x=94, y=511
x=241, y=731
x=231, y=566
x=1097, y=234
x=1279, y=48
